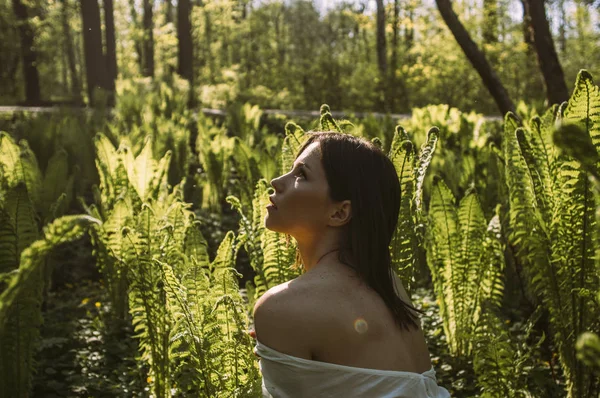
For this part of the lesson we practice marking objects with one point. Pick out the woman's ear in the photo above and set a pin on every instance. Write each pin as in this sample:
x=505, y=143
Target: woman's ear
x=342, y=214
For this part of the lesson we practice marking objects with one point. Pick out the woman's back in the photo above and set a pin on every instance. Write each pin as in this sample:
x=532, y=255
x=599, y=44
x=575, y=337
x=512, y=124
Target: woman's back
x=359, y=330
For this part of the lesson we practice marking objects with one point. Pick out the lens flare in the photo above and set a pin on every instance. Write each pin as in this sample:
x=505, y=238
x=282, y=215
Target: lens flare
x=361, y=326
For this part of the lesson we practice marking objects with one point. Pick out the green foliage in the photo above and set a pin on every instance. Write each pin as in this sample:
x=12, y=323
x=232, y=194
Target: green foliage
x=501, y=366
x=552, y=222
x=24, y=195
x=21, y=300
x=157, y=109
x=411, y=169
x=187, y=313
x=465, y=256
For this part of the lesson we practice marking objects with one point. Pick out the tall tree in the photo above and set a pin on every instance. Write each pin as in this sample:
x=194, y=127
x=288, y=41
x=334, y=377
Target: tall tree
x=138, y=44
x=111, y=48
x=476, y=57
x=490, y=21
x=394, y=60
x=28, y=54
x=409, y=27
x=148, y=47
x=70, y=52
x=185, y=56
x=169, y=11
x=554, y=78
x=95, y=62
x=382, y=51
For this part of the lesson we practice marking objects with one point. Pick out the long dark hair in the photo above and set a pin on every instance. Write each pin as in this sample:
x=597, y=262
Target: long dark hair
x=359, y=171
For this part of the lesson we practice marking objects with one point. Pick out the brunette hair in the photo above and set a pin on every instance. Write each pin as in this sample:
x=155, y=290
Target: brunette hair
x=358, y=170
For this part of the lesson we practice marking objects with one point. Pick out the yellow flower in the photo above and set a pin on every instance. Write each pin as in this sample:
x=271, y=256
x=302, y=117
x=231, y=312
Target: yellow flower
x=97, y=304
x=149, y=379
x=85, y=301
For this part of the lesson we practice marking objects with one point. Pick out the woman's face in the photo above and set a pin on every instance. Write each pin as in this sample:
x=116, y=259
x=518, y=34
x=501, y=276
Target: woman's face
x=301, y=197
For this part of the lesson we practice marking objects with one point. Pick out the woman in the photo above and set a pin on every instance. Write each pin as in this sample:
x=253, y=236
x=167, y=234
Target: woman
x=345, y=327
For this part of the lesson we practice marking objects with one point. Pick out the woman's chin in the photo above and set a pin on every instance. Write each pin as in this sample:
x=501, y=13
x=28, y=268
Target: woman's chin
x=271, y=225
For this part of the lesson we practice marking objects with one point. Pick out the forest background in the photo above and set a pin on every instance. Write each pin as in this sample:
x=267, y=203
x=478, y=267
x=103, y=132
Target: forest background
x=379, y=55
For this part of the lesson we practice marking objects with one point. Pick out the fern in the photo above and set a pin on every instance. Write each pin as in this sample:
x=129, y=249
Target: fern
x=293, y=141
x=57, y=187
x=425, y=156
x=404, y=243
x=552, y=219
x=20, y=302
x=327, y=122
x=466, y=263
x=500, y=366
x=20, y=165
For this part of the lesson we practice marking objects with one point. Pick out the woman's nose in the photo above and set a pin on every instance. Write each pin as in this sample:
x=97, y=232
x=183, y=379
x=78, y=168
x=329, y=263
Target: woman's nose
x=276, y=184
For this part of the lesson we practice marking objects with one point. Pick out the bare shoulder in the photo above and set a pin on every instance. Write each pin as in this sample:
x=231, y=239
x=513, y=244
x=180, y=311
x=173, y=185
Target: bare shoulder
x=284, y=321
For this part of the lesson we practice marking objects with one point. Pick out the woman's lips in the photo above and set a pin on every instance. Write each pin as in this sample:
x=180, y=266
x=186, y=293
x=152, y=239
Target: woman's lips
x=272, y=203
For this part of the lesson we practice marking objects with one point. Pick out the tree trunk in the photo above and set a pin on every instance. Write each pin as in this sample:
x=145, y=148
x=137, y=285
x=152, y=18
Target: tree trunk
x=169, y=11
x=490, y=21
x=562, y=31
x=382, y=51
x=208, y=53
x=148, y=69
x=70, y=53
x=554, y=78
x=185, y=56
x=111, y=48
x=409, y=28
x=28, y=55
x=476, y=57
x=527, y=31
x=137, y=43
x=394, y=60
x=95, y=62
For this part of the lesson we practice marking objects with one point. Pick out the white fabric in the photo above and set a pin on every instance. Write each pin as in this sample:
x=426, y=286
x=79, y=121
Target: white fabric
x=286, y=376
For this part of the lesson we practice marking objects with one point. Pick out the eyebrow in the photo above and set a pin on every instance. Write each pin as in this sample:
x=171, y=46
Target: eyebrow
x=302, y=164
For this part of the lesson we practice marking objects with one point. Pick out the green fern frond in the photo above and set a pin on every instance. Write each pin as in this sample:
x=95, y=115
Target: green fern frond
x=141, y=169
x=424, y=159
x=472, y=227
x=64, y=229
x=588, y=350
x=19, y=228
x=443, y=253
x=10, y=154
x=539, y=173
x=501, y=368
x=404, y=241
x=327, y=121
x=575, y=142
x=55, y=180
x=19, y=164
x=583, y=107
x=293, y=141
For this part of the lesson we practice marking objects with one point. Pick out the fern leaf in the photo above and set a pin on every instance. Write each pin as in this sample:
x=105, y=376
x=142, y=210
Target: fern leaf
x=10, y=154
x=404, y=241
x=293, y=141
x=20, y=228
x=327, y=121
x=425, y=156
x=443, y=252
x=62, y=230
x=539, y=175
x=472, y=228
x=55, y=180
x=583, y=107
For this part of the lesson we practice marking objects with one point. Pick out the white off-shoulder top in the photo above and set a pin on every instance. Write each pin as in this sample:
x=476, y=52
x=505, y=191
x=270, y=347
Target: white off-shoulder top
x=286, y=376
